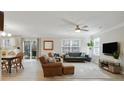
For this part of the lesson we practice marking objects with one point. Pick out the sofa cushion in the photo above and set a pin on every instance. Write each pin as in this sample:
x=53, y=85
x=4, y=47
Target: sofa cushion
x=74, y=54
x=83, y=54
x=67, y=56
x=76, y=57
x=51, y=60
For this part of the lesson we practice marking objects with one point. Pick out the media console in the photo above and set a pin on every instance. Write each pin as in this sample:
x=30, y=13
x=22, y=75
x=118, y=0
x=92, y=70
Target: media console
x=113, y=67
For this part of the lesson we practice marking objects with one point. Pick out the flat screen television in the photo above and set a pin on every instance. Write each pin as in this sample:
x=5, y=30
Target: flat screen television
x=110, y=48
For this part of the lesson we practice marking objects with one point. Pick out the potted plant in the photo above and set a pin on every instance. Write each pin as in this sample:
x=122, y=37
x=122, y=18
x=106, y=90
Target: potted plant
x=90, y=44
x=116, y=54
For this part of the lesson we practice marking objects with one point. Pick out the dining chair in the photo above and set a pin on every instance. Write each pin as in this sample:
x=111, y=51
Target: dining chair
x=4, y=65
x=17, y=63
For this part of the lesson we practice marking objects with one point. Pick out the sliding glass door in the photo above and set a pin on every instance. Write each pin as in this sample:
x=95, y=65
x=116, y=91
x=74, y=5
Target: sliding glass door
x=30, y=49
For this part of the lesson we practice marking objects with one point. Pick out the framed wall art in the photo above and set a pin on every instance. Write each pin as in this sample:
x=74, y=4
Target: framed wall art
x=48, y=45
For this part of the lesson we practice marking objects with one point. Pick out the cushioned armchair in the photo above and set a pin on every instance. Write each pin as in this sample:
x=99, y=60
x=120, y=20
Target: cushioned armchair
x=50, y=69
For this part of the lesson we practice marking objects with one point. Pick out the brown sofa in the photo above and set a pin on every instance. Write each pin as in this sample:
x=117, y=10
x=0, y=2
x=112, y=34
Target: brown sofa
x=50, y=69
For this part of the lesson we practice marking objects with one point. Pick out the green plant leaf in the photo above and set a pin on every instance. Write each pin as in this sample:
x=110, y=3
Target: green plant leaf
x=116, y=55
x=90, y=44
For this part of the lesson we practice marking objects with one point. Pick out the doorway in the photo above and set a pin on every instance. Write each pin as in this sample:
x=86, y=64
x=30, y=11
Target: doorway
x=30, y=48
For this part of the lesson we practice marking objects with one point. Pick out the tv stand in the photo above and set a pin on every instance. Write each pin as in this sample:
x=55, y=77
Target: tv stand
x=112, y=67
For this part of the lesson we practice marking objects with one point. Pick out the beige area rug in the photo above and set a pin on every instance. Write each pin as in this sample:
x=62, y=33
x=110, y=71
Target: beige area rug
x=88, y=70
x=85, y=71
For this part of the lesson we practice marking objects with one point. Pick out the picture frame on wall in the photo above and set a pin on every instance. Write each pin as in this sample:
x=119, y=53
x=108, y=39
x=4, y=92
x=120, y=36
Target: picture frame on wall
x=48, y=45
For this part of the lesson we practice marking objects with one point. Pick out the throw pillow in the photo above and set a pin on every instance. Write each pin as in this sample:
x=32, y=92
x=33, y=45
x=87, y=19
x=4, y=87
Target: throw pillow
x=51, y=60
x=67, y=56
x=83, y=54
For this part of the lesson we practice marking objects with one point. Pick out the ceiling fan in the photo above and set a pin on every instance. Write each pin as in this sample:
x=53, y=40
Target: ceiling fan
x=78, y=27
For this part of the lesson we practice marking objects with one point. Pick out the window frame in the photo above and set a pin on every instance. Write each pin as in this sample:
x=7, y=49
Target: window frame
x=70, y=45
x=96, y=46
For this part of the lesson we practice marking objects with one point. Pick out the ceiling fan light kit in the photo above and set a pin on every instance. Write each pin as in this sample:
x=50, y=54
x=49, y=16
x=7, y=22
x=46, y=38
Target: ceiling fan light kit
x=77, y=29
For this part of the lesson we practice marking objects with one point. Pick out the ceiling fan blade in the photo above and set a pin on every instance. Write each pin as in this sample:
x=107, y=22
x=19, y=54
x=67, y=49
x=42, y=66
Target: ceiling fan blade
x=84, y=29
x=68, y=21
x=85, y=26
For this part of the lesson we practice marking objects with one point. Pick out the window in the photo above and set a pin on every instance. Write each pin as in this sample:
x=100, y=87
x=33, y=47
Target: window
x=96, y=50
x=70, y=46
x=8, y=43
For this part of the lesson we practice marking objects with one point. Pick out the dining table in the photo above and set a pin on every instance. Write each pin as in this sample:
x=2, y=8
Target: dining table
x=9, y=59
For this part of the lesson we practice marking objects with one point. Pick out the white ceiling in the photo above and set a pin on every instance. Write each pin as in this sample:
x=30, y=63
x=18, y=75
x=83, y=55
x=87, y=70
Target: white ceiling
x=51, y=24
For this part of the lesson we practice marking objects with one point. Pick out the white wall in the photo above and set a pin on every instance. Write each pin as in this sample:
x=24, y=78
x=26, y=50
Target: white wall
x=116, y=35
x=84, y=47
x=18, y=41
x=14, y=42
x=57, y=44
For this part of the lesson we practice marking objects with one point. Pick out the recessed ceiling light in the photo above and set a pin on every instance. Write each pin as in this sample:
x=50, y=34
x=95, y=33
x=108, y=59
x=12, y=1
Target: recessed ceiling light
x=9, y=34
x=3, y=34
